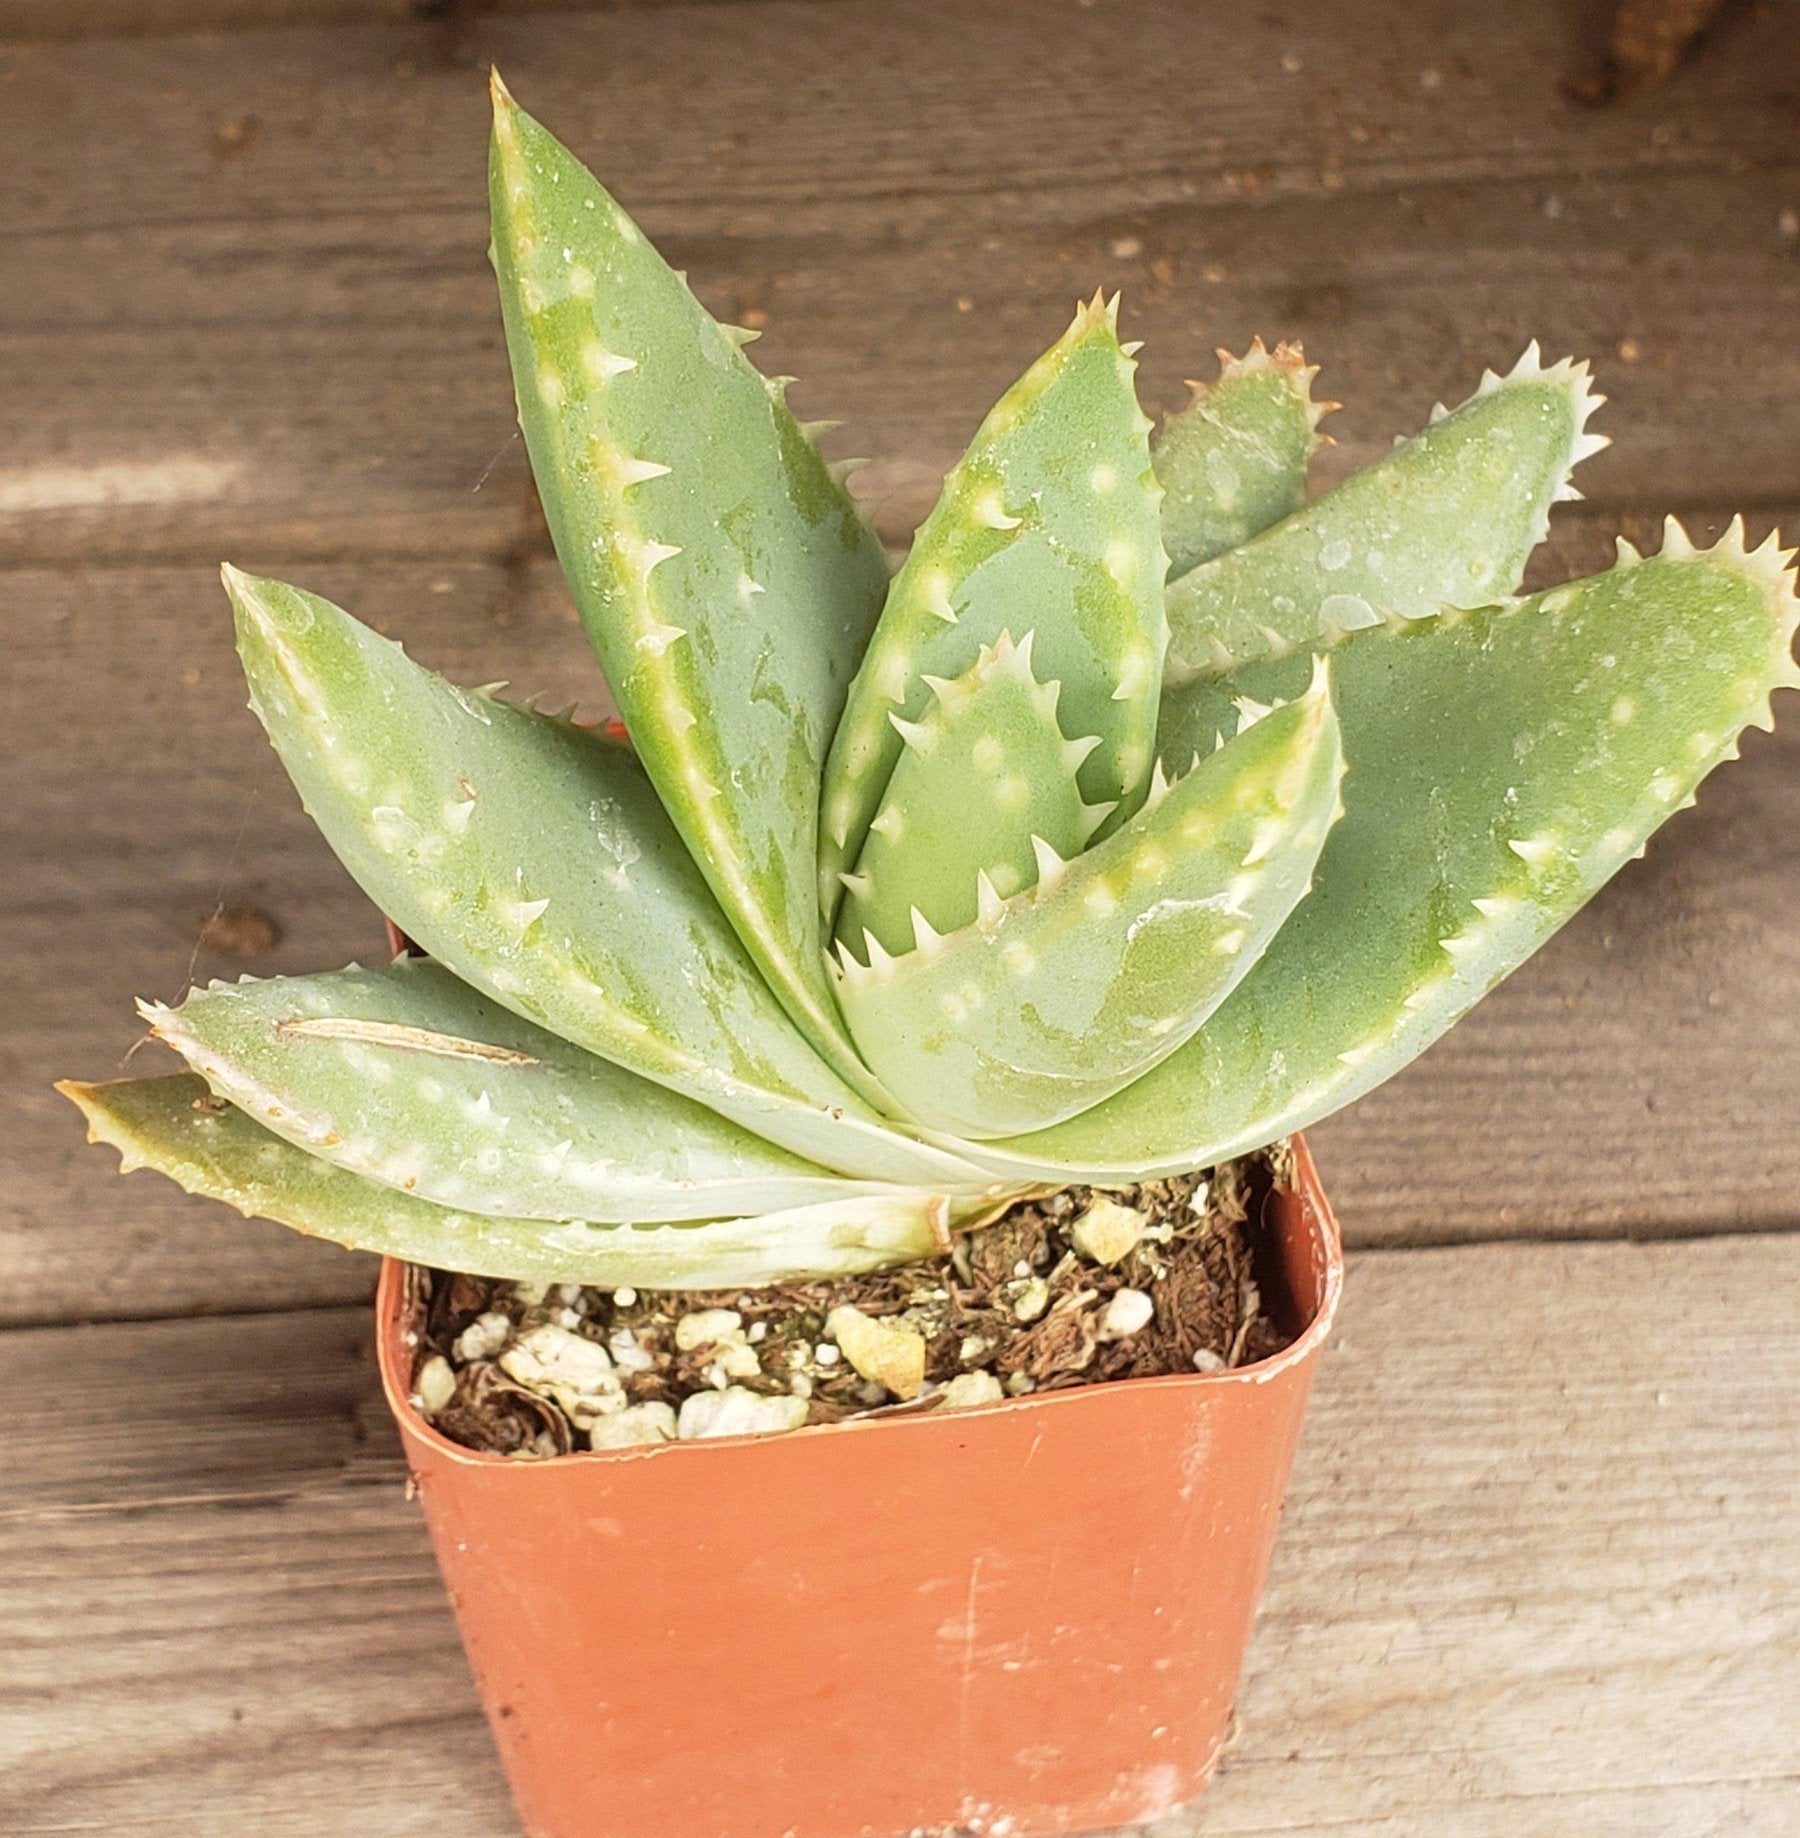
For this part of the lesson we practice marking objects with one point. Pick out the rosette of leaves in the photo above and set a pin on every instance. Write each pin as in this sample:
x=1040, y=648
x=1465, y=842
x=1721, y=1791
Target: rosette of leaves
x=1147, y=813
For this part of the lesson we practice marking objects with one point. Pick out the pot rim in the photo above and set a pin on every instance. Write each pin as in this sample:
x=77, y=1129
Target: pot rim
x=390, y=1348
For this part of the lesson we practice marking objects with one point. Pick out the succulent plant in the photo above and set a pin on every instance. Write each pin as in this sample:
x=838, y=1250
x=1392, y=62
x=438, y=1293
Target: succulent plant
x=1148, y=813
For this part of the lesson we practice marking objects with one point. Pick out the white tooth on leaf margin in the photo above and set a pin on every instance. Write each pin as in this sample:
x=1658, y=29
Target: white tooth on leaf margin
x=1050, y=865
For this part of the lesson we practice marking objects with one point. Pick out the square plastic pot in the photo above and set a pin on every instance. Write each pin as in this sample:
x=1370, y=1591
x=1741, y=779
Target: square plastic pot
x=1024, y=1618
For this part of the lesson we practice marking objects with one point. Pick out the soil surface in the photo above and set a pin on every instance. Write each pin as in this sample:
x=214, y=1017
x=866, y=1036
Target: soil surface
x=1083, y=1287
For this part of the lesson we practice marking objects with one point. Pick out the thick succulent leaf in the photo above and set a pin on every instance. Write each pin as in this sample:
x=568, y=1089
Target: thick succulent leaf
x=1050, y=518
x=406, y=1076
x=985, y=776
x=1446, y=519
x=1053, y=1000
x=723, y=574
x=1234, y=460
x=176, y=1127
x=1503, y=764
x=533, y=859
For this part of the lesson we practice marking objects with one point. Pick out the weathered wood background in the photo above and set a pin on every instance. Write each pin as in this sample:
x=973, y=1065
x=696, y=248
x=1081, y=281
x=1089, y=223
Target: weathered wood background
x=1539, y=1571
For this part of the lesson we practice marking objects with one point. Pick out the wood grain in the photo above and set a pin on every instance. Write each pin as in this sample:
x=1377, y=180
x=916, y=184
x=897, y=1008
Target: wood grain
x=260, y=320
x=39, y=20
x=1535, y=1576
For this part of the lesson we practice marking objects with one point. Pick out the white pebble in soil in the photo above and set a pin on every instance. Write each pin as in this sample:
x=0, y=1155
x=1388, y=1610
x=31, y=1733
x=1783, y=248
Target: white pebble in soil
x=483, y=1337
x=887, y=1353
x=576, y=1372
x=968, y=1389
x=735, y=1361
x=435, y=1386
x=1129, y=1311
x=1032, y=1300
x=737, y=1412
x=627, y=1354
x=1107, y=1233
x=633, y=1426
x=706, y=1327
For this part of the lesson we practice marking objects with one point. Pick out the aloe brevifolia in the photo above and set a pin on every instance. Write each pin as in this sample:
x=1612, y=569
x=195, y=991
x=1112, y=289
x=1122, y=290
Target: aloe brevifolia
x=1147, y=813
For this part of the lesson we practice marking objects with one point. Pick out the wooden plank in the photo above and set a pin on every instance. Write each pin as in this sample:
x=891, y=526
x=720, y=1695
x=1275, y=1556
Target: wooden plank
x=1526, y=1587
x=260, y=318
x=1638, y=1075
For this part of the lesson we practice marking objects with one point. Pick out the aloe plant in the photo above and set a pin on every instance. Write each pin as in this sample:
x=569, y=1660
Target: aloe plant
x=1148, y=813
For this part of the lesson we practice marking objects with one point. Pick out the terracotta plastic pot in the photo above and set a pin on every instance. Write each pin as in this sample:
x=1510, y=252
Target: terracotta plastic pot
x=1024, y=1618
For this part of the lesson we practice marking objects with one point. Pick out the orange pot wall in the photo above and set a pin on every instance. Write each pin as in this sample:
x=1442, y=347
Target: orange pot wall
x=1026, y=1618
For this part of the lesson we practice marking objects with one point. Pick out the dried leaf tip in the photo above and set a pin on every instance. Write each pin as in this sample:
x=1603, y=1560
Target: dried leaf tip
x=1289, y=356
x=248, y=596
x=506, y=112
x=1097, y=313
